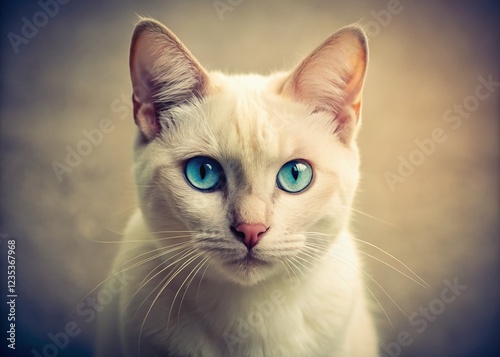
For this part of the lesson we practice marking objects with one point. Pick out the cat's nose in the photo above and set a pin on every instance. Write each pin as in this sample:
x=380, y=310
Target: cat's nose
x=250, y=233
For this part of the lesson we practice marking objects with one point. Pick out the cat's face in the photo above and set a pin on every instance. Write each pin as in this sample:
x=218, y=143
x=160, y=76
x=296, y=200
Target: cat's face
x=251, y=166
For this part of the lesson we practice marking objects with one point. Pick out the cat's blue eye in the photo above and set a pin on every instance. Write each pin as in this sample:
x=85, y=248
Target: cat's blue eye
x=204, y=173
x=294, y=176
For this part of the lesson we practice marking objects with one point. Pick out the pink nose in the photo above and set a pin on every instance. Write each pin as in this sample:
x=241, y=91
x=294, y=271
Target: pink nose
x=250, y=233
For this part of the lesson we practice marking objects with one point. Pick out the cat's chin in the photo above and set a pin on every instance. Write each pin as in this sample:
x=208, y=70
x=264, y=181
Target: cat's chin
x=247, y=271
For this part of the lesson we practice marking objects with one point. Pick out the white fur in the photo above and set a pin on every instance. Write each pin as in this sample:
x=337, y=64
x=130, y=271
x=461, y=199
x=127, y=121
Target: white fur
x=308, y=300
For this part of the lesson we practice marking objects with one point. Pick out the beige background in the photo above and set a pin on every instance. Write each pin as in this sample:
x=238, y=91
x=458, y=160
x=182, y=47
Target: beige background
x=442, y=220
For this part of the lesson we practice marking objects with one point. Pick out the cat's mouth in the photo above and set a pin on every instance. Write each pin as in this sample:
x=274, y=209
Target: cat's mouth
x=248, y=269
x=248, y=261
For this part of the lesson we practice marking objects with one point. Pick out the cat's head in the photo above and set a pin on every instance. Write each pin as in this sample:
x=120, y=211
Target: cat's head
x=261, y=170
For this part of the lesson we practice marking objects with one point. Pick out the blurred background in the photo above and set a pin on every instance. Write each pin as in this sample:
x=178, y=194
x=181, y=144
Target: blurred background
x=430, y=152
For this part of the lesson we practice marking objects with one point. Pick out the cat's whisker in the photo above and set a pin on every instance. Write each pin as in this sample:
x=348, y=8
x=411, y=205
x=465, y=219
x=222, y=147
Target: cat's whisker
x=138, y=240
x=294, y=258
x=201, y=279
x=192, y=259
x=164, y=262
x=187, y=281
x=393, y=257
x=386, y=253
x=185, y=254
x=163, y=250
x=372, y=279
x=314, y=250
x=370, y=291
x=376, y=282
x=107, y=241
x=306, y=261
x=198, y=268
x=160, y=232
x=298, y=260
x=290, y=261
x=287, y=262
x=349, y=265
x=176, y=237
x=149, y=278
x=183, y=266
x=129, y=208
x=395, y=269
x=184, y=248
x=94, y=289
x=160, y=248
x=379, y=304
x=372, y=217
x=288, y=272
x=158, y=239
x=310, y=252
x=176, y=272
x=422, y=282
x=385, y=292
x=120, y=272
x=175, y=265
x=113, y=231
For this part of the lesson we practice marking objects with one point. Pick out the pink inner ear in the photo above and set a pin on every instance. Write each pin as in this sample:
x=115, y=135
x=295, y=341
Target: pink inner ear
x=142, y=59
x=357, y=108
x=145, y=118
x=331, y=79
x=163, y=72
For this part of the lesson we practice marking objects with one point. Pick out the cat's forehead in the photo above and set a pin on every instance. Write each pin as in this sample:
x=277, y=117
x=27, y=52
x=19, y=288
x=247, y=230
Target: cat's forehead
x=249, y=122
x=250, y=116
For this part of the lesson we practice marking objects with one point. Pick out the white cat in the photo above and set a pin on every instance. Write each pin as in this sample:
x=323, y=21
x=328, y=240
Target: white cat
x=240, y=246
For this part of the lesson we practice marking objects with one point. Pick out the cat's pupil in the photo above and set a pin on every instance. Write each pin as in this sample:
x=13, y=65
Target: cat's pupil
x=295, y=172
x=203, y=171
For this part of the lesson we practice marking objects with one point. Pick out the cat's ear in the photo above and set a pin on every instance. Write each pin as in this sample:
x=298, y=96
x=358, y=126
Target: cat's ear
x=164, y=74
x=331, y=79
